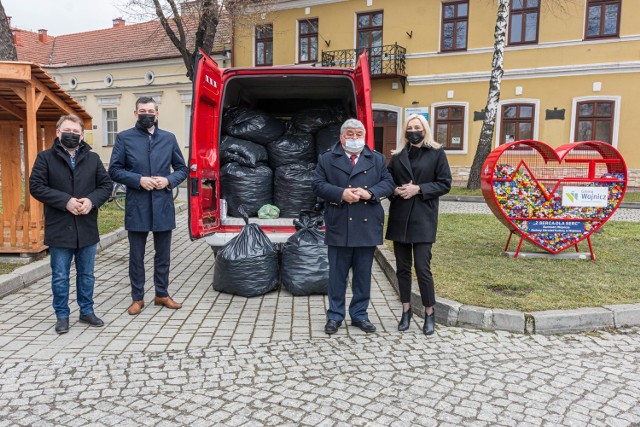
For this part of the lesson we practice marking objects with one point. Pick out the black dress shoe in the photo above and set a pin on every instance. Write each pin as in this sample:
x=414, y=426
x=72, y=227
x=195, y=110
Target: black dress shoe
x=91, y=319
x=332, y=326
x=429, y=323
x=62, y=325
x=405, y=320
x=365, y=325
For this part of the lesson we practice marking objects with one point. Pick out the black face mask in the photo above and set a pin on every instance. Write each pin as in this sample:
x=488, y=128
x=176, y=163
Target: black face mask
x=70, y=140
x=147, y=121
x=414, y=137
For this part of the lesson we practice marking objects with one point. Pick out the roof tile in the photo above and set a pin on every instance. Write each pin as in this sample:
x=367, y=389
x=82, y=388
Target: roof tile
x=133, y=42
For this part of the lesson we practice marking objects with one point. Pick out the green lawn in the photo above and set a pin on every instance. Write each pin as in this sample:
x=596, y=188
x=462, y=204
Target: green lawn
x=468, y=267
x=110, y=218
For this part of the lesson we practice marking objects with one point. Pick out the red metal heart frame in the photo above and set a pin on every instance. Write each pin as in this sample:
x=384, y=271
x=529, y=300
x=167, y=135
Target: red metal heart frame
x=554, y=198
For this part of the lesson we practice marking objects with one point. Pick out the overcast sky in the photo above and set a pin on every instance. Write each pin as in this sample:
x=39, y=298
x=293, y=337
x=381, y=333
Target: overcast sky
x=62, y=16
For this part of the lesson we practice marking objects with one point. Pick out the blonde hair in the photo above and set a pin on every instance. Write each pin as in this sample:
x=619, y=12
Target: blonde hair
x=428, y=134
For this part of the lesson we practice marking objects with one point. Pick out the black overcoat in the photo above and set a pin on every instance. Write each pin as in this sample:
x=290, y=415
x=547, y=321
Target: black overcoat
x=357, y=224
x=415, y=220
x=54, y=183
x=138, y=153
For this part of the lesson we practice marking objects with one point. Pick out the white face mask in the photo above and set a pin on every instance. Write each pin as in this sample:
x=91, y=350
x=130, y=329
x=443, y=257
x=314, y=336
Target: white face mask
x=354, y=145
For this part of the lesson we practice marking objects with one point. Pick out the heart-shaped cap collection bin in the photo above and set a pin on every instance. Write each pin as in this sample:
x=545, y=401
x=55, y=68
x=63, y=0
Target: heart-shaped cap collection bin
x=554, y=198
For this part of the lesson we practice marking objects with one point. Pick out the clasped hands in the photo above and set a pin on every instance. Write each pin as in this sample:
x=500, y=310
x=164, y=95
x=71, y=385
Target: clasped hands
x=79, y=206
x=407, y=190
x=353, y=195
x=153, y=182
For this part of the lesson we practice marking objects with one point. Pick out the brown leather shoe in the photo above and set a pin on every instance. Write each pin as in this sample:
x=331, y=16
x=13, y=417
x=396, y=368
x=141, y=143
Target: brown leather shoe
x=135, y=307
x=167, y=302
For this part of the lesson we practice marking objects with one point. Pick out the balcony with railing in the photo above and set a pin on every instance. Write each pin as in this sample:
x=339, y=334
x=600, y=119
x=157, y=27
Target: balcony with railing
x=385, y=62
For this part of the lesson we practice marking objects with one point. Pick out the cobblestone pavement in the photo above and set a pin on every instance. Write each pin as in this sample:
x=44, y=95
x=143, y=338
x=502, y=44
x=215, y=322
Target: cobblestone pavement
x=224, y=360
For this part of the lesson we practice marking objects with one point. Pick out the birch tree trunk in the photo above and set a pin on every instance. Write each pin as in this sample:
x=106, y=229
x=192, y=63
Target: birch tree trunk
x=491, y=109
x=7, y=48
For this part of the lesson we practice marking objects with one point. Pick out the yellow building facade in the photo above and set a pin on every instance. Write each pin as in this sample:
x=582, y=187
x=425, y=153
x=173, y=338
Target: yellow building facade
x=572, y=68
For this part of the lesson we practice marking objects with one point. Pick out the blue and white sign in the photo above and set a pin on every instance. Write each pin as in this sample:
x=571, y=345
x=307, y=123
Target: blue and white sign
x=589, y=197
x=422, y=111
x=556, y=226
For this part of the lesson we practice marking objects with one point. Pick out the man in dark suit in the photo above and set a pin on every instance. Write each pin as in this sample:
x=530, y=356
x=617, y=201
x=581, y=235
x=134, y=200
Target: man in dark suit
x=149, y=162
x=351, y=179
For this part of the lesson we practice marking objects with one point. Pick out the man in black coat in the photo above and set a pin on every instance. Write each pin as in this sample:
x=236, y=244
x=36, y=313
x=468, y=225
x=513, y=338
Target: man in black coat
x=72, y=183
x=352, y=179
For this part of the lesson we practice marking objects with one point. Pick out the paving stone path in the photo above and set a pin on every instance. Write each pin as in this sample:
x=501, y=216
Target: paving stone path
x=224, y=360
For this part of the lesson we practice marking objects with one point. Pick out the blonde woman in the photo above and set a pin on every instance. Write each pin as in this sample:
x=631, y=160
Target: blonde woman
x=421, y=173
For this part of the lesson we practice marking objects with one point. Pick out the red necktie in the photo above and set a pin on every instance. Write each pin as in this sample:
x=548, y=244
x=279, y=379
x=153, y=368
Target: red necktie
x=353, y=158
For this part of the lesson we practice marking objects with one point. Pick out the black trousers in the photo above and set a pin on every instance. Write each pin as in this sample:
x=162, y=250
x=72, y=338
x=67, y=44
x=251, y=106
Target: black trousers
x=161, y=262
x=422, y=258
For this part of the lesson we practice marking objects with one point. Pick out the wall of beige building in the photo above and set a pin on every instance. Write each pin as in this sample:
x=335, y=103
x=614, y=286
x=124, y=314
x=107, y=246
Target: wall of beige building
x=113, y=88
x=557, y=72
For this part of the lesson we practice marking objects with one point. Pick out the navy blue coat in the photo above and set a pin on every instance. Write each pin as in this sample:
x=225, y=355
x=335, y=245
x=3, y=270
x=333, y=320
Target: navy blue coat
x=54, y=183
x=138, y=153
x=358, y=224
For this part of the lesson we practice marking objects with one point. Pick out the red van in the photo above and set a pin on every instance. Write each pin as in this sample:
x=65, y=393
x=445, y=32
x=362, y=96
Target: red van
x=288, y=87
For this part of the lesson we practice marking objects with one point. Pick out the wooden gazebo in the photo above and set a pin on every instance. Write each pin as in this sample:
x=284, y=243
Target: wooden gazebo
x=31, y=103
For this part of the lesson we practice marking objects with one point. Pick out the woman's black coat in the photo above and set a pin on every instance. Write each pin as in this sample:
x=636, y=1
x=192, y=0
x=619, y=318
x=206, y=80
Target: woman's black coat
x=415, y=220
x=54, y=183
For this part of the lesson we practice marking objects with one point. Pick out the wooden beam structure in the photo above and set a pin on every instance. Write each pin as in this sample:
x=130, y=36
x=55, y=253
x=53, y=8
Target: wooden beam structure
x=10, y=108
x=29, y=100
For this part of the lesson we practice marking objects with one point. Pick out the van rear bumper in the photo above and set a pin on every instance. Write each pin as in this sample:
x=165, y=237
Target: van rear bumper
x=277, y=230
x=219, y=239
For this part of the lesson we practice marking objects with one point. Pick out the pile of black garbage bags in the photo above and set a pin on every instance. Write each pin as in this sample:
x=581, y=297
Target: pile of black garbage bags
x=248, y=265
x=266, y=160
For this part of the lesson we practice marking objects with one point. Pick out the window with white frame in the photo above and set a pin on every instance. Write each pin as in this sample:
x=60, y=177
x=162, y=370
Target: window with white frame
x=449, y=126
x=517, y=122
x=594, y=121
x=523, y=21
x=264, y=44
x=455, y=20
x=110, y=126
x=603, y=18
x=308, y=40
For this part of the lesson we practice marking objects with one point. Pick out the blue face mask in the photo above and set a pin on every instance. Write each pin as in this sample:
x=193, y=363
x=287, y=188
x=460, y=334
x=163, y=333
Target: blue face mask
x=354, y=145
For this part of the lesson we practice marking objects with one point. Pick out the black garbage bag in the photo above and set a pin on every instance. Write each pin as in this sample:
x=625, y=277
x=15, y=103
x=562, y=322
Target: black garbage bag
x=245, y=153
x=292, y=148
x=292, y=189
x=247, y=265
x=252, y=125
x=250, y=187
x=311, y=120
x=327, y=138
x=305, y=259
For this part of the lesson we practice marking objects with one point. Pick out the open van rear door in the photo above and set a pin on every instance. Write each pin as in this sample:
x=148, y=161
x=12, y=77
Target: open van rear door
x=362, y=78
x=204, y=179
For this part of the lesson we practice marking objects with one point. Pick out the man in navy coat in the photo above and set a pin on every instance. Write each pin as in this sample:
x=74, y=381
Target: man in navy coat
x=142, y=159
x=352, y=179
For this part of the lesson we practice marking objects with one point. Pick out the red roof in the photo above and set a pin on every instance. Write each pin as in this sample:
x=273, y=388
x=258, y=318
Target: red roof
x=128, y=43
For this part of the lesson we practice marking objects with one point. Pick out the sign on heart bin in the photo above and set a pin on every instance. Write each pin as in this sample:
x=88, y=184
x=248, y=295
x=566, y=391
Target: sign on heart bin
x=555, y=198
